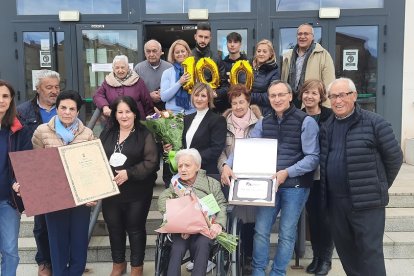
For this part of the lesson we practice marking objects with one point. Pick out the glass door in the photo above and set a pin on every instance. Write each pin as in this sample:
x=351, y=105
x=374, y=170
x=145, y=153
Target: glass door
x=43, y=46
x=354, y=46
x=97, y=45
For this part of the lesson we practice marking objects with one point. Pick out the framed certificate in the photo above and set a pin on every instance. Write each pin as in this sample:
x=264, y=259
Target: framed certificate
x=59, y=178
x=254, y=164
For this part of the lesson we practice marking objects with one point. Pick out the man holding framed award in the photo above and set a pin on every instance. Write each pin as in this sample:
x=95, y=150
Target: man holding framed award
x=297, y=158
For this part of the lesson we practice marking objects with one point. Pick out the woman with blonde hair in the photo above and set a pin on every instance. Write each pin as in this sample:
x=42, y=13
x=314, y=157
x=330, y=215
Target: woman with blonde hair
x=176, y=98
x=265, y=71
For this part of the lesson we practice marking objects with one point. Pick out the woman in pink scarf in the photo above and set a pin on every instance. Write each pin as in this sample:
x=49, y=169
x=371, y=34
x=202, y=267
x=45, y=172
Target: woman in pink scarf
x=241, y=119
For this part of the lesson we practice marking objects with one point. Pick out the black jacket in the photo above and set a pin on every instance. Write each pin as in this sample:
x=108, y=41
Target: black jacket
x=29, y=114
x=263, y=76
x=209, y=139
x=373, y=159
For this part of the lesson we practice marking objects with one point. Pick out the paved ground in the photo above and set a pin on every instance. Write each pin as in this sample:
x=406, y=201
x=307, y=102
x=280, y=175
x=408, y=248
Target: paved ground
x=396, y=267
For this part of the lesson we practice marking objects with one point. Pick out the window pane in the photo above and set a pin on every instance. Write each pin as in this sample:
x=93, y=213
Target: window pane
x=357, y=58
x=36, y=44
x=182, y=6
x=222, y=41
x=295, y=5
x=47, y=7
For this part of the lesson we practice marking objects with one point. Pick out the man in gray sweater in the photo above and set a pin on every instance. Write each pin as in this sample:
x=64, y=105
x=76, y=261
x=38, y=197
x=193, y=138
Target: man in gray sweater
x=151, y=69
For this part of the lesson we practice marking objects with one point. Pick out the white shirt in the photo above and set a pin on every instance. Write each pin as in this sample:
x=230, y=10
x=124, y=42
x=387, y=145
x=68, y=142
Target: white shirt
x=194, y=126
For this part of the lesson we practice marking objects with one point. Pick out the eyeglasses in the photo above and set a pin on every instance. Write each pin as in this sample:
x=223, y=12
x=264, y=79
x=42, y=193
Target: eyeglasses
x=278, y=95
x=342, y=95
x=304, y=34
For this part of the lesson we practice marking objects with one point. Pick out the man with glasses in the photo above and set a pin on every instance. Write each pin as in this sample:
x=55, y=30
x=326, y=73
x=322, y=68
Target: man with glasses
x=151, y=69
x=360, y=159
x=298, y=157
x=307, y=60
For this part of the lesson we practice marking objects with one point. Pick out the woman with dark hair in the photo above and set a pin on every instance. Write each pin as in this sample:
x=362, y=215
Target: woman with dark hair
x=133, y=157
x=68, y=229
x=312, y=95
x=13, y=137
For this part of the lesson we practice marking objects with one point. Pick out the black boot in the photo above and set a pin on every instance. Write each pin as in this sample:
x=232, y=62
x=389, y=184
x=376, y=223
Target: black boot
x=323, y=268
x=313, y=266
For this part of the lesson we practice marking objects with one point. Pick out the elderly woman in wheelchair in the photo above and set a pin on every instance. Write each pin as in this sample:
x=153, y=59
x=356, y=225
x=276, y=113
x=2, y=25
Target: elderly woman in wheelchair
x=193, y=180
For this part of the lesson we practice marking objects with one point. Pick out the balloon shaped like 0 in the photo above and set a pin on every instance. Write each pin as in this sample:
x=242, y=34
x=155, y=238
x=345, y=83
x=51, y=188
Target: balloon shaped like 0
x=188, y=65
x=209, y=64
x=242, y=66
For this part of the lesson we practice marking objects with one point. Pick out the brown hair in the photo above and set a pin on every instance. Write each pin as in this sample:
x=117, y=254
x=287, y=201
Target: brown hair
x=271, y=49
x=236, y=90
x=8, y=118
x=200, y=86
x=318, y=85
x=181, y=42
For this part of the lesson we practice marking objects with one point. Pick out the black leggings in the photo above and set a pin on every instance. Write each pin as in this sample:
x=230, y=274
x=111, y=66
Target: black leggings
x=122, y=218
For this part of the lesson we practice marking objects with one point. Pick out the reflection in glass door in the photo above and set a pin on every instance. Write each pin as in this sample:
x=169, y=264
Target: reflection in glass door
x=356, y=57
x=42, y=50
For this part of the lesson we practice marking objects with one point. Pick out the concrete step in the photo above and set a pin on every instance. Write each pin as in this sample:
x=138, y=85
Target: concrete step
x=397, y=245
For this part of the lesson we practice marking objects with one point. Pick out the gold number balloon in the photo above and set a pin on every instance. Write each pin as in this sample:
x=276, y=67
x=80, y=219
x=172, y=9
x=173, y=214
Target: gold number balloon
x=188, y=65
x=242, y=66
x=208, y=64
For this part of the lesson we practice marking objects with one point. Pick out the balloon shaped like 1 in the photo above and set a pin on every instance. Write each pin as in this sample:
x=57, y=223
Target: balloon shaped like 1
x=188, y=65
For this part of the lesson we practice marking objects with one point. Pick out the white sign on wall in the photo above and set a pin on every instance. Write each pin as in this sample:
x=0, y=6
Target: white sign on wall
x=45, y=59
x=350, y=60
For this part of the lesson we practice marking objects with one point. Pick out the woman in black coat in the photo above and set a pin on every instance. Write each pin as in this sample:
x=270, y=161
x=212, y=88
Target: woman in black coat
x=312, y=95
x=133, y=157
x=205, y=130
x=265, y=71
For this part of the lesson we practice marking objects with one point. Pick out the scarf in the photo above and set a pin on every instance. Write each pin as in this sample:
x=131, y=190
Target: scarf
x=130, y=79
x=182, y=98
x=241, y=124
x=292, y=72
x=67, y=134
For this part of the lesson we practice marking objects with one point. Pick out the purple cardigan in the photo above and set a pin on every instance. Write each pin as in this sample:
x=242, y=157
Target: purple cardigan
x=105, y=95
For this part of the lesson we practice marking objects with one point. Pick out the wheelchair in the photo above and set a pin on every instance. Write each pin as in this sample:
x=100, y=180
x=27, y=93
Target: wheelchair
x=227, y=264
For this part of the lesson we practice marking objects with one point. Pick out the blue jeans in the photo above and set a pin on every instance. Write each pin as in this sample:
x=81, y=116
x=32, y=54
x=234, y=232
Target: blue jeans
x=290, y=202
x=9, y=234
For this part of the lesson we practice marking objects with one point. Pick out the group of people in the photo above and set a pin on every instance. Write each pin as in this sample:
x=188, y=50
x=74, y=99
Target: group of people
x=337, y=162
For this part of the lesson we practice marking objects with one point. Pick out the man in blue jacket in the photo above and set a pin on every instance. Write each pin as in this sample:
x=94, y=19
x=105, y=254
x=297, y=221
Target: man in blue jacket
x=360, y=159
x=33, y=113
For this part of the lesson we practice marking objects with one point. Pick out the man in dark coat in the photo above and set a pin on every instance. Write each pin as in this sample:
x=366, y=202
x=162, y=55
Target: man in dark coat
x=359, y=160
x=33, y=113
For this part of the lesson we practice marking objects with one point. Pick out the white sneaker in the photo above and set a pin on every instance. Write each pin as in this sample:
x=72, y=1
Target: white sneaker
x=189, y=266
x=210, y=266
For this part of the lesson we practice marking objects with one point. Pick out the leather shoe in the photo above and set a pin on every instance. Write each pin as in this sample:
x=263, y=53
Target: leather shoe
x=323, y=268
x=313, y=266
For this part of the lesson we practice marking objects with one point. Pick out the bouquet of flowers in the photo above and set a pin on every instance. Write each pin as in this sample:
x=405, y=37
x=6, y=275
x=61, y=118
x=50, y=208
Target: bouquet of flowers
x=167, y=128
x=198, y=220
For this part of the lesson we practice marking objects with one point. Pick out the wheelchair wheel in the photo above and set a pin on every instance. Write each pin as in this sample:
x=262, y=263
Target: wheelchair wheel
x=231, y=264
x=162, y=254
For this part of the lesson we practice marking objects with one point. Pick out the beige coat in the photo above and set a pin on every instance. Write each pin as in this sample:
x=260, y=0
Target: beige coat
x=320, y=66
x=45, y=135
x=256, y=115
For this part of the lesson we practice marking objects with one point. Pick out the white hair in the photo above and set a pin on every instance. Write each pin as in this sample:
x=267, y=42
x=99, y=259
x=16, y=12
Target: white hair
x=189, y=152
x=43, y=74
x=122, y=58
x=153, y=41
x=351, y=84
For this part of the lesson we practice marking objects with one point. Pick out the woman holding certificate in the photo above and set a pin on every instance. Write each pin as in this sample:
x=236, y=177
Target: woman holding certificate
x=133, y=157
x=68, y=229
x=241, y=119
x=13, y=137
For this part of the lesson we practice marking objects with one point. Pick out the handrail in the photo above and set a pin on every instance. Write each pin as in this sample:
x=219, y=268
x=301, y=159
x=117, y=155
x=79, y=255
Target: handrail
x=97, y=209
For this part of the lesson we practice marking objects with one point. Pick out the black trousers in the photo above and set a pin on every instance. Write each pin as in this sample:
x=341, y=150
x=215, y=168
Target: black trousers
x=199, y=246
x=41, y=236
x=127, y=217
x=320, y=234
x=358, y=237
